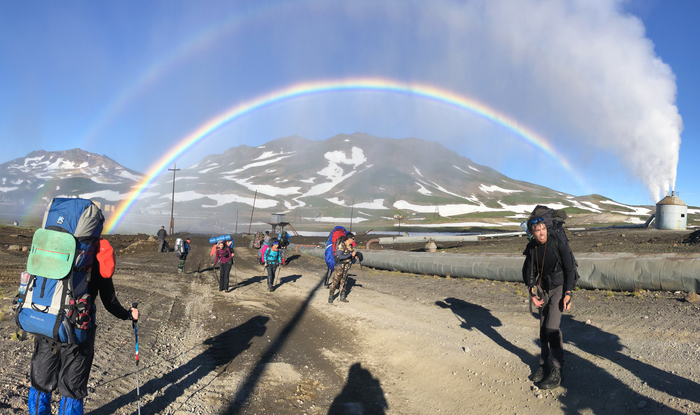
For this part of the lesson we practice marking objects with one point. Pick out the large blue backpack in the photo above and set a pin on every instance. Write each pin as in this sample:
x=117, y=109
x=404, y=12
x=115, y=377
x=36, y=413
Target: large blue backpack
x=332, y=244
x=56, y=303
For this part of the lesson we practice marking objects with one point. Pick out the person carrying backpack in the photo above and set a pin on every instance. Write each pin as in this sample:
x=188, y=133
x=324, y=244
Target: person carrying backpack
x=271, y=262
x=67, y=369
x=549, y=271
x=224, y=254
x=345, y=255
x=184, y=250
x=284, y=243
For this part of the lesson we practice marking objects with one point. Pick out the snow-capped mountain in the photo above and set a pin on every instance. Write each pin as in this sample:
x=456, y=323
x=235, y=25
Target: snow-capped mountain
x=319, y=180
x=43, y=175
x=377, y=177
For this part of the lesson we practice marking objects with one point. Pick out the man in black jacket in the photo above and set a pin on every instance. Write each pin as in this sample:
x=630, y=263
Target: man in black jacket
x=162, y=234
x=550, y=275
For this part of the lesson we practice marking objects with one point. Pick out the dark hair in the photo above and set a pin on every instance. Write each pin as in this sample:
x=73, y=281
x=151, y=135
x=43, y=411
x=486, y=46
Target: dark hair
x=349, y=235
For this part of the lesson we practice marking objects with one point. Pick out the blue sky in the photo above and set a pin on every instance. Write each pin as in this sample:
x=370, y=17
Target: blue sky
x=606, y=83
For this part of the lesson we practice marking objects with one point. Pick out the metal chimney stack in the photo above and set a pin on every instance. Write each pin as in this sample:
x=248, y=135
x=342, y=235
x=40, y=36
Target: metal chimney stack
x=671, y=213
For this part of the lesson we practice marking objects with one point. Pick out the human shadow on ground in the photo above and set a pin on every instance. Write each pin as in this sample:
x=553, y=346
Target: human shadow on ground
x=268, y=355
x=589, y=388
x=352, y=283
x=250, y=281
x=289, y=278
x=290, y=259
x=589, y=379
x=474, y=316
x=223, y=349
x=362, y=394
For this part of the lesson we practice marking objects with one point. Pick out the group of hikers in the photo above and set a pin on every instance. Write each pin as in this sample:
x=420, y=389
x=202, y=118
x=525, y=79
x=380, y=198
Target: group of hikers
x=63, y=357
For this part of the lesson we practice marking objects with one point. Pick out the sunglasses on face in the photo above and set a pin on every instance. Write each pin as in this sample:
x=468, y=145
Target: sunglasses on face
x=537, y=220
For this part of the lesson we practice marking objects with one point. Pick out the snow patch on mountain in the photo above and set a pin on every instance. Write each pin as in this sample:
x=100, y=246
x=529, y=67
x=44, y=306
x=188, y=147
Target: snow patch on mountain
x=474, y=168
x=311, y=180
x=266, y=189
x=422, y=190
x=635, y=210
x=417, y=171
x=268, y=154
x=257, y=164
x=222, y=199
x=494, y=188
x=465, y=172
x=377, y=204
x=8, y=189
x=209, y=168
x=334, y=172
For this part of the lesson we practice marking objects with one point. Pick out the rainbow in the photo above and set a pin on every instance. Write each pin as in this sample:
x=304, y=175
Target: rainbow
x=306, y=89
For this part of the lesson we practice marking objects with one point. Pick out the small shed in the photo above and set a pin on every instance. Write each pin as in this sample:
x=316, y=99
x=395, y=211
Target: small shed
x=671, y=213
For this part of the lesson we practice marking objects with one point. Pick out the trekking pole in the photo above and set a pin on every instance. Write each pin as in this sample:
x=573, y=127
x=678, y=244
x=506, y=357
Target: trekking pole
x=136, y=337
x=235, y=276
x=279, y=272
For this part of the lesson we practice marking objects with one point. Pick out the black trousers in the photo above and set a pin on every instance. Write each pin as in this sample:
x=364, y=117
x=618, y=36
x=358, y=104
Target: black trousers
x=68, y=370
x=224, y=271
x=271, y=271
x=550, y=334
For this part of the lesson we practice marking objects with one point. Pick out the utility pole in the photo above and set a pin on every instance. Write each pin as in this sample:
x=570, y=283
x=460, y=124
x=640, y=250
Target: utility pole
x=351, y=210
x=236, y=221
x=172, y=205
x=252, y=211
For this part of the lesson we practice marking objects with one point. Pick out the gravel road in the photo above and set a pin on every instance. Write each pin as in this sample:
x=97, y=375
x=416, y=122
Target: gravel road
x=404, y=344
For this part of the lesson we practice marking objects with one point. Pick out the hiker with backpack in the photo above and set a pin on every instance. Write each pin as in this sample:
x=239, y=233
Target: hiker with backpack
x=271, y=263
x=58, y=305
x=224, y=255
x=181, y=251
x=549, y=271
x=284, y=243
x=345, y=255
x=162, y=234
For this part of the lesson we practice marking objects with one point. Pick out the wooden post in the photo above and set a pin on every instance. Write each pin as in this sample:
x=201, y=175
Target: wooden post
x=172, y=205
x=351, y=211
x=251, y=212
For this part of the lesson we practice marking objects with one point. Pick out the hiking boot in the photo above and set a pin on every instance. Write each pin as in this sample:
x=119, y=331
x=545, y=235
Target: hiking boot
x=179, y=270
x=553, y=379
x=342, y=297
x=269, y=289
x=330, y=297
x=539, y=375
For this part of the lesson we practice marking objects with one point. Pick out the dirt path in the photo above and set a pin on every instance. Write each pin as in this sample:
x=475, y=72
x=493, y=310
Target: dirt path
x=404, y=344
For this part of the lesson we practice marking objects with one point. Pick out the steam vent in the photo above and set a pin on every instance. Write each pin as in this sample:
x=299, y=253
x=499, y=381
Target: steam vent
x=671, y=213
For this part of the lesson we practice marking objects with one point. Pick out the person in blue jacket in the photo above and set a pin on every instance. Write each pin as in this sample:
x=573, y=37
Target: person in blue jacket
x=272, y=261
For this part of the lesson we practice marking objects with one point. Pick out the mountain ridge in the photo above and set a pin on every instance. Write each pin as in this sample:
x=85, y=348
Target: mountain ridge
x=381, y=177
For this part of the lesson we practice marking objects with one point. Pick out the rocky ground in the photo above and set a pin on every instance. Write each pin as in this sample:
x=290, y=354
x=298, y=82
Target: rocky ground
x=404, y=344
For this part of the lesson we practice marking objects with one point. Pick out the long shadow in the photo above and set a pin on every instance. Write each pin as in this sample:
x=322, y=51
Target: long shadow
x=251, y=281
x=477, y=317
x=291, y=258
x=223, y=349
x=588, y=387
x=254, y=376
x=289, y=278
x=595, y=341
x=362, y=394
x=352, y=283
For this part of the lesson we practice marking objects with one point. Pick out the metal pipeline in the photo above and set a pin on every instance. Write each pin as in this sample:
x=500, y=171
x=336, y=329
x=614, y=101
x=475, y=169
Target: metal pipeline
x=608, y=271
x=388, y=240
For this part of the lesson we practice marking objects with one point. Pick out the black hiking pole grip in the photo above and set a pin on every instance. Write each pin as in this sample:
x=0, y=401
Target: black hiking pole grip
x=136, y=338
